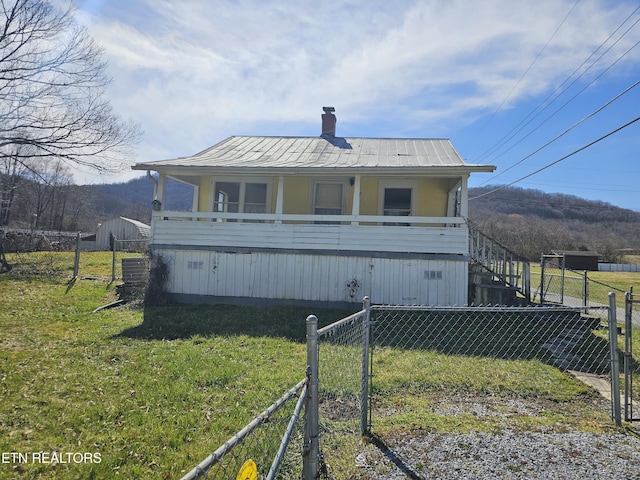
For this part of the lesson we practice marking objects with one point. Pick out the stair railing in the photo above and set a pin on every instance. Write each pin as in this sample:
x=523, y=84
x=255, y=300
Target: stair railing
x=506, y=266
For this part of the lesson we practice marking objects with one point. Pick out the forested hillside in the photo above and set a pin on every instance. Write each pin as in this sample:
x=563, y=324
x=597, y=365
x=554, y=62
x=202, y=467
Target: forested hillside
x=32, y=203
x=528, y=222
x=531, y=222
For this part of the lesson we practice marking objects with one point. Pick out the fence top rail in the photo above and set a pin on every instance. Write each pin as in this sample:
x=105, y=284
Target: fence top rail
x=488, y=308
x=208, y=462
x=335, y=325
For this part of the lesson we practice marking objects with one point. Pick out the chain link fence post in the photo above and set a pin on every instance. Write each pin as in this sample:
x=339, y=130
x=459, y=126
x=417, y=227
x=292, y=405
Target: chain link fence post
x=615, y=361
x=76, y=260
x=628, y=357
x=364, y=401
x=542, y=271
x=311, y=448
x=113, y=241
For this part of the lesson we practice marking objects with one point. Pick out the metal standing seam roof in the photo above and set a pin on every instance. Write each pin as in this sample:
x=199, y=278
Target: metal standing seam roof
x=261, y=152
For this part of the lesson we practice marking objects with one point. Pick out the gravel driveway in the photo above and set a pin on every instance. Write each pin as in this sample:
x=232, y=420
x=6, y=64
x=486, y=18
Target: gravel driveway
x=507, y=455
x=555, y=451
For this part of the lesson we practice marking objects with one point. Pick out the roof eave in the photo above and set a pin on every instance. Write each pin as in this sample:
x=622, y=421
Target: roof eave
x=356, y=170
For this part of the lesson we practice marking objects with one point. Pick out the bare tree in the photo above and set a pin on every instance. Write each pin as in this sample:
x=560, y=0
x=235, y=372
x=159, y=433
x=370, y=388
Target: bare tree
x=52, y=90
x=53, y=106
x=11, y=174
x=45, y=180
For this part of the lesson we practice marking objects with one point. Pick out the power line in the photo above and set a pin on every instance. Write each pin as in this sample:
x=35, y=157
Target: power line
x=557, y=137
x=572, y=98
x=528, y=68
x=522, y=124
x=559, y=160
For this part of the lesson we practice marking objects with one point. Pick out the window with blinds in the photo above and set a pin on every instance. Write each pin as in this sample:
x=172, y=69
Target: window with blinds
x=328, y=199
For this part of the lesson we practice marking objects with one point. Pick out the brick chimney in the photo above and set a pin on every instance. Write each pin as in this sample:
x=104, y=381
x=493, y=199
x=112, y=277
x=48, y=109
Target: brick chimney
x=329, y=121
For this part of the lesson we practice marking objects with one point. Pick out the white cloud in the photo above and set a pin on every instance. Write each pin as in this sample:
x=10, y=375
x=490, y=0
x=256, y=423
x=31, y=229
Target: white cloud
x=196, y=71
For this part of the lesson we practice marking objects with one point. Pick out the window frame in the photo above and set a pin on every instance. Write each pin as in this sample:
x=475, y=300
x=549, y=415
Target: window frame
x=242, y=181
x=397, y=183
x=329, y=181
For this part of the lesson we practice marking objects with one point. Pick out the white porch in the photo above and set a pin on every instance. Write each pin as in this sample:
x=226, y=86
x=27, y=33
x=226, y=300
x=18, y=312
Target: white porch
x=313, y=233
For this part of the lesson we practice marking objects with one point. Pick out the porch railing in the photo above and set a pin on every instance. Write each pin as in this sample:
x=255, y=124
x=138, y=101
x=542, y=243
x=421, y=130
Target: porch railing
x=306, y=218
x=339, y=233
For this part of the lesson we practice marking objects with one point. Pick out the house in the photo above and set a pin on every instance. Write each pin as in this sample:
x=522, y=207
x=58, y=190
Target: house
x=320, y=219
x=130, y=232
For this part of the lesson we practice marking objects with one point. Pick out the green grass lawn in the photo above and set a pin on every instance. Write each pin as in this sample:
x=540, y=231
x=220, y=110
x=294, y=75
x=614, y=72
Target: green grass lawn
x=153, y=391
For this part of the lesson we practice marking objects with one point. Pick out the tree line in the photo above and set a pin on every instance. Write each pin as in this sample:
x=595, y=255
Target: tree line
x=53, y=202
x=532, y=223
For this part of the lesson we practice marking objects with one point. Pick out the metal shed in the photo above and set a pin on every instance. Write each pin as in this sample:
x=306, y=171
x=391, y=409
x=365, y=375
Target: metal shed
x=123, y=229
x=579, y=260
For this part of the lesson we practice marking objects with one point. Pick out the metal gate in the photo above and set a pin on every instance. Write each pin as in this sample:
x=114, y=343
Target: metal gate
x=629, y=367
x=562, y=286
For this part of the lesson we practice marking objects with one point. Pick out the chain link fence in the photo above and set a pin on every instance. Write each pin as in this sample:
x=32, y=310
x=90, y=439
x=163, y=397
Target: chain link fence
x=355, y=363
x=337, y=353
x=555, y=285
x=480, y=350
x=442, y=354
x=269, y=447
x=343, y=363
x=561, y=337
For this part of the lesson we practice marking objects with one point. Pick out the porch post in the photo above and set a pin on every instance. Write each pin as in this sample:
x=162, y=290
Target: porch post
x=280, y=198
x=464, y=198
x=195, y=206
x=160, y=187
x=452, y=197
x=355, y=207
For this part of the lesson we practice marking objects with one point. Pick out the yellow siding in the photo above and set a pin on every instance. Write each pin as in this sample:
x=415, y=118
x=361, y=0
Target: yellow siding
x=368, y=196
x=203, y=197
x=432, y=197
x=296, y=195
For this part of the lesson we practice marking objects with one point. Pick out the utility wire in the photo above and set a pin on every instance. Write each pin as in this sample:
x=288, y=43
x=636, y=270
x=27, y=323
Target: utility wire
x=559, y=160
x=521, y=125
x=628, y=89
x=528, y=69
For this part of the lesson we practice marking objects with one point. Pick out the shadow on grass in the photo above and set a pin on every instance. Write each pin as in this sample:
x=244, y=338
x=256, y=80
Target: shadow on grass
x=560, y=338
x=185, y=321
x=564, y=340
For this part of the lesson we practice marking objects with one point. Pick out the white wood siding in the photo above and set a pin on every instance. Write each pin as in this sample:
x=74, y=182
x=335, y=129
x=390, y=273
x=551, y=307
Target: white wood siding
x=323, y=278
x=437, y=240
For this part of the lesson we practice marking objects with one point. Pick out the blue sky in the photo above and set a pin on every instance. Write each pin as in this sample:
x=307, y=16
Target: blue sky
x=499, y=78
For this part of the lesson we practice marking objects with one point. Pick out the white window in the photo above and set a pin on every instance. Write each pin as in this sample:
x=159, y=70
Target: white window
x=240, y=197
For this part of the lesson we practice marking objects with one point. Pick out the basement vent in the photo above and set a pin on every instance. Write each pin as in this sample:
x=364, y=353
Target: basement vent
x=433, y=274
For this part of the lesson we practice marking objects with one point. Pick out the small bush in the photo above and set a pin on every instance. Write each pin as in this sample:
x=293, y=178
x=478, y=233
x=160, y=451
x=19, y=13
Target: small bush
x=156, y=293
